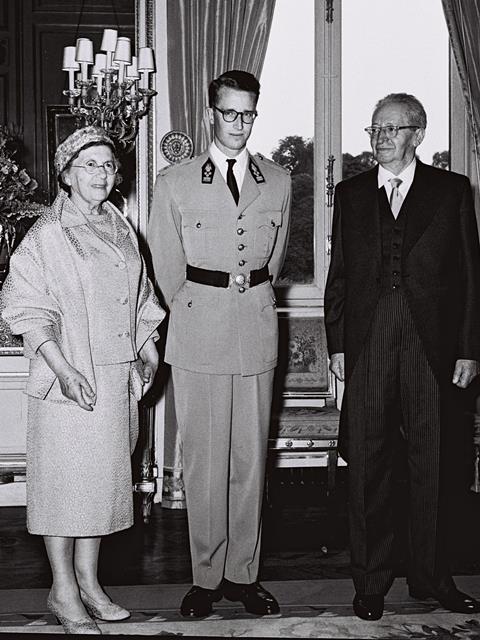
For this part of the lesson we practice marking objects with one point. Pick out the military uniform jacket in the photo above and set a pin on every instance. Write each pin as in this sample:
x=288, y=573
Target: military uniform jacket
x=194, y=220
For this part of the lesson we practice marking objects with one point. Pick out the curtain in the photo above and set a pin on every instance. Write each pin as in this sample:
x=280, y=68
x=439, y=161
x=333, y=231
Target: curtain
x=463, y=22
x=205, y=39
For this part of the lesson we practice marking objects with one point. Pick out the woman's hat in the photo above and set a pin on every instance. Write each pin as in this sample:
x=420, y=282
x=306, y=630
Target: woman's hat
x=75, y=142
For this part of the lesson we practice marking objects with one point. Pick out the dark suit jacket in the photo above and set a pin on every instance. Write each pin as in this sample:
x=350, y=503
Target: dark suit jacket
x=440, y=267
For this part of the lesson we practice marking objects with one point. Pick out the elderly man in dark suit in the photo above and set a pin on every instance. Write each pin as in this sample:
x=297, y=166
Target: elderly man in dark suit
x=402, y=311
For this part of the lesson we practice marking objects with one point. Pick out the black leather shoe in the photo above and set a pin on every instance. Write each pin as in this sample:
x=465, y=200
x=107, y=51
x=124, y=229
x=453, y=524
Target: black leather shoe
x=197, y=603
x=254, y=597
x=455, y=600
x=368, y=607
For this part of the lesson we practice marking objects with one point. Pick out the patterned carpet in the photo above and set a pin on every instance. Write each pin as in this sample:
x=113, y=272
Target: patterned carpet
x=310, y=609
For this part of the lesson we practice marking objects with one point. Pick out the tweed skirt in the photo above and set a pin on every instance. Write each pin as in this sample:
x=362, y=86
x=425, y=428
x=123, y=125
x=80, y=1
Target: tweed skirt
x=79, y=479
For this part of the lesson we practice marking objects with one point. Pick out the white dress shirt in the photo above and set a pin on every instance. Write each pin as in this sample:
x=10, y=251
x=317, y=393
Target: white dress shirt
x=406, y=176
x=220, y=160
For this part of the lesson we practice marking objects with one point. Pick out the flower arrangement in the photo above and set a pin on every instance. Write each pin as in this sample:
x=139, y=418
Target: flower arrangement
x=17, y=188
x=18, y=198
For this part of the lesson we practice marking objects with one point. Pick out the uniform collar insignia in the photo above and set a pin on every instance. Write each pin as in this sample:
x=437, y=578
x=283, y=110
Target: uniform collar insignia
x=208, y=169
x=255, y=171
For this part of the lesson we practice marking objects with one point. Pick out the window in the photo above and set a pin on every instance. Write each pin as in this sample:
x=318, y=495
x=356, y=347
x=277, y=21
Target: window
x=400, y=47
x=284, y=129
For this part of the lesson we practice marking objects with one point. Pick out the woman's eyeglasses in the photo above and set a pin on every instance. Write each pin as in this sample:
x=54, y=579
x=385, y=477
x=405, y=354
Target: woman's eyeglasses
x=92, y=167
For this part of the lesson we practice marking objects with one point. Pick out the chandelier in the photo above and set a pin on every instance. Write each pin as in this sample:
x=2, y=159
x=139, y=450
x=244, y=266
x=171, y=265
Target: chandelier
x=115, y=93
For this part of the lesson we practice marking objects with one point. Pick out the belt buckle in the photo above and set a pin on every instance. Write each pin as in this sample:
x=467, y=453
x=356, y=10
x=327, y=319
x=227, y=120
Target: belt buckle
x=240, y=279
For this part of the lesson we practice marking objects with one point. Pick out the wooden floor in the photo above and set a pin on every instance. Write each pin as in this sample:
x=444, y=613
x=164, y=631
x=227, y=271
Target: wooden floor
x=305, y=538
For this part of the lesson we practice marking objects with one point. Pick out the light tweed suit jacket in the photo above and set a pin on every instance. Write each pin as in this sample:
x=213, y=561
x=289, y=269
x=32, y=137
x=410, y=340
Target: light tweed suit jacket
x=43, y=297
x=194, y=220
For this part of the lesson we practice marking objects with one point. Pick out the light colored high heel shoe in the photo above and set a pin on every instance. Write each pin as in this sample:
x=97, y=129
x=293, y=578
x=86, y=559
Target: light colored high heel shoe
x=82, y=626
x=109, y=612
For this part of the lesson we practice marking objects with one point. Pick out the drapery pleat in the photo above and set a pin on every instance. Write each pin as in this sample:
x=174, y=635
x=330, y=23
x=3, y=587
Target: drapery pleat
x=463, y=22
x=205, y=39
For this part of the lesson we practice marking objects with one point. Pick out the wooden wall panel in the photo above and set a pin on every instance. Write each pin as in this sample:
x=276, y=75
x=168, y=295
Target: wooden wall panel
x=10, y=56
x=3, y=99
x=3, y=14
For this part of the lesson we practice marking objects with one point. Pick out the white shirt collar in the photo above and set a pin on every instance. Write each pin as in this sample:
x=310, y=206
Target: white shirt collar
x=220, y=159
x=406, y=176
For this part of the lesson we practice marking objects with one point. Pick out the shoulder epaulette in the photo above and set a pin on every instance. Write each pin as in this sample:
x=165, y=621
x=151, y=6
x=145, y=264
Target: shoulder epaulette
x=164, y=170
x=271, y=163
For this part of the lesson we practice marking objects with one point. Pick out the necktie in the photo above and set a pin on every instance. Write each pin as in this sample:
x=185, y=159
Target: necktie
x=396, y=198
x=231, y=182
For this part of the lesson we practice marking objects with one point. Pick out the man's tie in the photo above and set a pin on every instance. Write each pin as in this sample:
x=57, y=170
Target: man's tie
x=396, y=198
x=231, y=182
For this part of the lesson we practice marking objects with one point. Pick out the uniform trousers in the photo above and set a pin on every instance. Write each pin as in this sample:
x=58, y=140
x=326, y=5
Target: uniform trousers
x=392, y=389
x=223, y=422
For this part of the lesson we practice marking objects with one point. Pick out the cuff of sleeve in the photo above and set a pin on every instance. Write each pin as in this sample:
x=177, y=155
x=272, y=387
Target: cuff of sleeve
x=36, y=337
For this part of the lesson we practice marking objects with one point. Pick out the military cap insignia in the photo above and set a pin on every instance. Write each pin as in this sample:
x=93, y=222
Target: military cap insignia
x=255, y=171
x=208, y=170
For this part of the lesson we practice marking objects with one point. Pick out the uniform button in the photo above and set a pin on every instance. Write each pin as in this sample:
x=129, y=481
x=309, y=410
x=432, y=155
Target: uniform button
x=121, y=265
x=240, y=231
x=123, y=300
x=198, y=225
x=240, y=279
x=240, y=216
x=394, y=286
x=394, y=273
x=241, y=247
x=241, y=263
x=189, y=303
x=272, y=223
x=241, y=290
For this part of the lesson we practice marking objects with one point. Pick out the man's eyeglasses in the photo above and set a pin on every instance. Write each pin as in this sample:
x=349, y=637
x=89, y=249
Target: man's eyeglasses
x=92, y=167
x=391, y=130
x=230, y=115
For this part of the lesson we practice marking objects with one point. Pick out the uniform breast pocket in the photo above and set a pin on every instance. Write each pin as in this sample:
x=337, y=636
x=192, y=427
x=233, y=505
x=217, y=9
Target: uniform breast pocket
x=266, y=232
x=199, y=233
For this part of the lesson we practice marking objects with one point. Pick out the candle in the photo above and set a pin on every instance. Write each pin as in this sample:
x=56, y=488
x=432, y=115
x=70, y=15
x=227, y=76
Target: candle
x=70, y=65
x=84, y=55
x=98, y=70
x=132, y=69
x=109, y=42
x=146, y=65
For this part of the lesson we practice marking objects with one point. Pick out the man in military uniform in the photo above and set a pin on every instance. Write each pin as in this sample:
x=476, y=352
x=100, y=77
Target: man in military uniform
x=218, y=236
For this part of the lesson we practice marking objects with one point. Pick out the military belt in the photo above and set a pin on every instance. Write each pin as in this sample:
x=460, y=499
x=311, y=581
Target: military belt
x=223, y=279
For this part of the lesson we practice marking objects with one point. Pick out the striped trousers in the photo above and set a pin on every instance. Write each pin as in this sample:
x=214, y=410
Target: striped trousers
x=392, y=390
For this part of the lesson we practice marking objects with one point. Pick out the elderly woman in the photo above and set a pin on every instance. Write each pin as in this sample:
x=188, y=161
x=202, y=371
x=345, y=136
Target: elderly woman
x=78, y=294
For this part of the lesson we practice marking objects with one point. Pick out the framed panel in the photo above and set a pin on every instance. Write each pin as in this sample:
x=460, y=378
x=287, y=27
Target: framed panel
x=60, y=124
x=302, y=369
